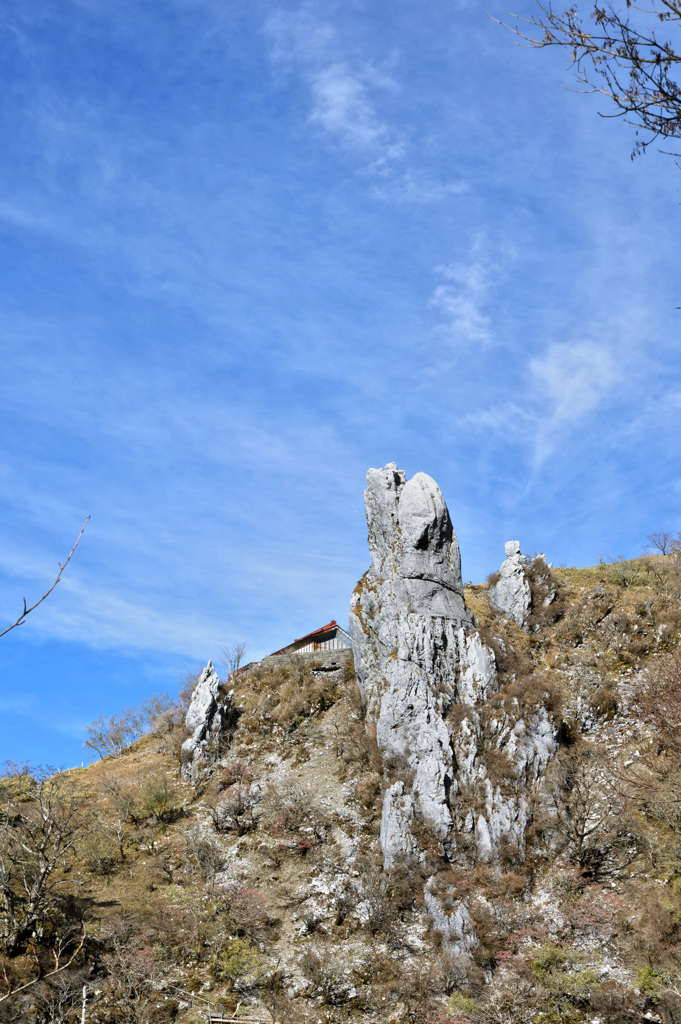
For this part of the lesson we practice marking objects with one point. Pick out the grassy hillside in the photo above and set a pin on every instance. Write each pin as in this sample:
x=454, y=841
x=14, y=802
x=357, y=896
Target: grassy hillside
x=261, y=889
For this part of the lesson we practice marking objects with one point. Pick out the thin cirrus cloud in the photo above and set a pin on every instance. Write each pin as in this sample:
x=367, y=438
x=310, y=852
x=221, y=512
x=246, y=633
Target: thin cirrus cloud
x=569, y=382
x=414, y=186
x=465, y=298
x=344, y=105
x=575, y=378
x=342, y=97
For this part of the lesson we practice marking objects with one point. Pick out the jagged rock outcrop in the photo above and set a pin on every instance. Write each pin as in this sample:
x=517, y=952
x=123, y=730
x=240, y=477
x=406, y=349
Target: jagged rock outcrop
x=524, y=584
x=207, y=717
x=501, y=755
x=426, y=677
x=397, y=819
x=416, y=652
x=511, y=595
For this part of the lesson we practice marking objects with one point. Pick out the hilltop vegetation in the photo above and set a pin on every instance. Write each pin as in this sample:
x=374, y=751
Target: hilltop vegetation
x=262, y=886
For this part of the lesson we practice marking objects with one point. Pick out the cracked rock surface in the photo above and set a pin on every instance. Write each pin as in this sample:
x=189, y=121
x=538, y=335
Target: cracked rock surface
x=418, y=656
x=416, y=651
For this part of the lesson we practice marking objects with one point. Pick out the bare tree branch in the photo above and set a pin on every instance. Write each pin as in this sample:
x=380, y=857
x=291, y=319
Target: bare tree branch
x=50, y=974
x=621, y=57
x=232, y=655
x=27, y=611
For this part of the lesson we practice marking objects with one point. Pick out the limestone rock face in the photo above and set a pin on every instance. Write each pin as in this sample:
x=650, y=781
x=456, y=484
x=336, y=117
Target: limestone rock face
x=416, y=651
x=503, y=755
x=397, y=820
x=206, y=717
x=511, y=595
x=454, y=924
x=427, y=678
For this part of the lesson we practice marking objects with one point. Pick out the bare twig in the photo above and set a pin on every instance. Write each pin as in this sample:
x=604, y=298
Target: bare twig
x=27, y=611
x=50, y=974
x=231, y=657
x=619, y=57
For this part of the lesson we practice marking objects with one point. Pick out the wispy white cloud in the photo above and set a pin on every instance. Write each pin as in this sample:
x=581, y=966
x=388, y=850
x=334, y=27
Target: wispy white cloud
x=417, y=187
x=570, y=381
x=574, y=378
x=463, y=299
x=345, y=100
x=510, y=418
x=130, y=586
x=343, y=108
x=555, y=392
x=103, y=619
x=343, y=95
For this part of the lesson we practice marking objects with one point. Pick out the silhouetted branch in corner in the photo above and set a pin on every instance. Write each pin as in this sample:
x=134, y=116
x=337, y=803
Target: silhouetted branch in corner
x=27, y=611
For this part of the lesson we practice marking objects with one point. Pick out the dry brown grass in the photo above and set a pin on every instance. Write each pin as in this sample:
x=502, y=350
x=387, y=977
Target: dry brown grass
x=281, y=698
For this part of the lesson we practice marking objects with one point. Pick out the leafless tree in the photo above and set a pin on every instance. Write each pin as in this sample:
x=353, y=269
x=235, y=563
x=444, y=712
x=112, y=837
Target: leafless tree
x=97, y=851
x=41, y=821
x=236, y=807
x=133, y=977
x=63, y=953
x=122, y=800
x=273, y=992
x=662, y=542
x=583, y=813
x=513, y=1001
x=652, y=779
x=204, y=854
x=27, y=610
x=625, y=54
x=112, y=734
x=661, y=703
x=59, y=1000
x=232, y=655
x=121, y=796
x=325, y=975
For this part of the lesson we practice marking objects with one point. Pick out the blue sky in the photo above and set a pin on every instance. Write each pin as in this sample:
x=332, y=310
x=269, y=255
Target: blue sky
x=249, y=250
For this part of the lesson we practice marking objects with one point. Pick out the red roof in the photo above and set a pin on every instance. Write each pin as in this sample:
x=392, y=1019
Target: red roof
x=308, y=636
x=322, y=629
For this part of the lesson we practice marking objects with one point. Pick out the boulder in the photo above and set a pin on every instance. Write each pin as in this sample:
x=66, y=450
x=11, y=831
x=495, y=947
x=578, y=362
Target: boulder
x=511, y=595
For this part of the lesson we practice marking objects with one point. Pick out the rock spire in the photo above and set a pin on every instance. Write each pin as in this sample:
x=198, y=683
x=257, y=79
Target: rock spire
x=416, y=651
x=207, y=718
x=511, y=595
x=427, y=678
